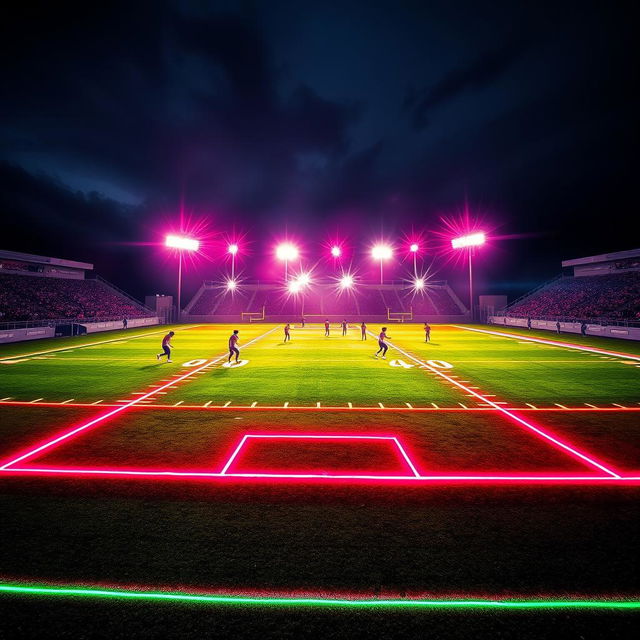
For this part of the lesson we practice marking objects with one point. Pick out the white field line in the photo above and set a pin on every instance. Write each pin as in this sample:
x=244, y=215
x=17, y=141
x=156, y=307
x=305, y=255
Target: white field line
x=507, y=412
x=90, y=344
x=565, y=345
x=121, y=408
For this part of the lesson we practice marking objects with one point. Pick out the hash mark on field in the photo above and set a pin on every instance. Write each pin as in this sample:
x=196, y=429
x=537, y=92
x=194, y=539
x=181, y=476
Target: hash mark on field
x=177, y=404
x=409, y=405
x=593, y=406
x=37, y=400
x=464, y=406
x=253, y=404
x=350, y=405
x=531, y=405
x=7, y=398
x=69, y=400
x=227, y=403
x=615, y=404
x=206, y=404
x=560, y=405
x=318, y=405
x=434, y=405
x=286, y=404
x=381, y=405
x=97, y=402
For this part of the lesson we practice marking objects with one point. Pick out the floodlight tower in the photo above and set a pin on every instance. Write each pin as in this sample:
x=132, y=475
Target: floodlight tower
x=181, y=243
x=381, y=252
x=233, y=250
x=414, y=249
x=286, y=252
x=469, y=242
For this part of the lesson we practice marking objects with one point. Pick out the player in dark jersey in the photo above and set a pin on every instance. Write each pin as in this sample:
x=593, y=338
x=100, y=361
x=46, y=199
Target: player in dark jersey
x=166, y=347
x=382, y=344
x=302, y=322
x=363, y=329
x=287, y=335
x=326, y=328
x=233, y=345
x=344, y=327
x=427, y=332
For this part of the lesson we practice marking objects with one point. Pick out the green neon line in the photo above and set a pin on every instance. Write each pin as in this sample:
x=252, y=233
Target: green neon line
x=321, y=602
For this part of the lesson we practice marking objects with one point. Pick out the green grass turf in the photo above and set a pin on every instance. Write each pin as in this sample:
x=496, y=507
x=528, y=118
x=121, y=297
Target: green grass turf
x=522, y=372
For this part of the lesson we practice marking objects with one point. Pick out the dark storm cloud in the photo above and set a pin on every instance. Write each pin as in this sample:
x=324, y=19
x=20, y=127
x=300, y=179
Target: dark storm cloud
x=478, y=74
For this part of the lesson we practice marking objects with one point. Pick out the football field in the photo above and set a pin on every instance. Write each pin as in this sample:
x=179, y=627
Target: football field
x=456, y=473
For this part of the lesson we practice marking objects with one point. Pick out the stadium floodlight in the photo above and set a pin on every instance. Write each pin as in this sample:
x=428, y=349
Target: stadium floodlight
x=418, y=284
x=233, y=250
x=346, y=282
x=231, y=285
x=336, y=251
x=294, y=287
x=304, y=279
x=472, y=240
x=381, y=252
x=286, y=252
x=182, y=243
x=469, y=242
x=414, y=249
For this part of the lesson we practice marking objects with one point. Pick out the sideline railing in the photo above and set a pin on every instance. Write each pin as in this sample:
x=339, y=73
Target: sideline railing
x=32, y=324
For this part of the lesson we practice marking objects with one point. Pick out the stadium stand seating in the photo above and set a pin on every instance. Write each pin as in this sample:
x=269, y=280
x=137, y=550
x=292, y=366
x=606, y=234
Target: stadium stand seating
x=30, y=298
x=614, y=296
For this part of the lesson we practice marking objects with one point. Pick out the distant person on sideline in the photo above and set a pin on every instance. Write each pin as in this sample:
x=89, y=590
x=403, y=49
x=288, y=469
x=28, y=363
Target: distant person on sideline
x=382, y=344
x=287, y=335
x=344, y=327
x=427, y=332
x=363, y=329
x=326, y=328
x=125, y=323
x=166, y=347
x=303, y=322
x=233, y=345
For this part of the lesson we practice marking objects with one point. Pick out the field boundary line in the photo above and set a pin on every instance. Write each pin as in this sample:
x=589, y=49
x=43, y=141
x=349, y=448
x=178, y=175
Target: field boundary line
x=512, y=416
x=124, y=407
x=553, y=343
x=93, y=344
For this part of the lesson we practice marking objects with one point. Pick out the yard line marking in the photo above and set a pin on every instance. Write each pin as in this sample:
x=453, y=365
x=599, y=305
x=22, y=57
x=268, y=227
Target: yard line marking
x=97, y=402
x=434, y=405
x=593, y=406
x=530, y=405
x=381, y=405
x=464, y=406
x=286, y=404
x=553, y=343
x=513, y=416
x=177, y=404
x=206, y=404
x=318, y=405
x=253, y=404
x=67, y=401
x=36, y=400
x=559, y=405
x=615, y=404
x=227, y=403
x=350, y=405
x=90, y=344
x=119, y=409
x=7, y=398
x=408, y=405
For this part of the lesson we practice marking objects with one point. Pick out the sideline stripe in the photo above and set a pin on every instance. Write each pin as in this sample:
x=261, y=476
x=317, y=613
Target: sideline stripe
x=123, y=407
x=508, y=413
x=91, y=344
x=306, y=601
x=553, y=343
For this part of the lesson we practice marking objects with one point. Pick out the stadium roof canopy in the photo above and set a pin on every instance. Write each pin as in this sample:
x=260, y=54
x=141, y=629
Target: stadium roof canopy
x=604, y=257
x=29, y=257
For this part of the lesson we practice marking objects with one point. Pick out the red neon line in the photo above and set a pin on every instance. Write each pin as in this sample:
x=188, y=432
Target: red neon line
x=511, y=415
x=554, y=343
x=560, y=479
x=406, y=457
x=121, y=408
x=313, y=408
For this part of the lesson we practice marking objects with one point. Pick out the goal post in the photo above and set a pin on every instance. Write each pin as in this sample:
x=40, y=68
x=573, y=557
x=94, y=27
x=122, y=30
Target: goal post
x=253, y=316
x=399, y=316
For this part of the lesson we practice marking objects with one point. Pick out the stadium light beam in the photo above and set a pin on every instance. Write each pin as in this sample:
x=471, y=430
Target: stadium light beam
x=418, y=284
x=231, y=285
x=381, y=252
x=336, y=251
x=469, y=242
x=286, y=252
x=346, y=282
x=182, y=243
x=414, y=249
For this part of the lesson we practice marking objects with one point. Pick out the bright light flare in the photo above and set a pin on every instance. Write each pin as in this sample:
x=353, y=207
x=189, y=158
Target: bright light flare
x=233, y=249
x=286, y=251
x=414, y=248
x=304, y=279
x=231, y=285
x=182, y=242
x=472, y=240
x=346, y=282
x=381, y=252
x=336, y=252
x=419, y=284
x=294, y=287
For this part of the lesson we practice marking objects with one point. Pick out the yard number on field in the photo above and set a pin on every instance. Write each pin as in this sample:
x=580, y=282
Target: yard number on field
x=439, y=364
x=400, y=363
x=235, y=365
x=194, y=363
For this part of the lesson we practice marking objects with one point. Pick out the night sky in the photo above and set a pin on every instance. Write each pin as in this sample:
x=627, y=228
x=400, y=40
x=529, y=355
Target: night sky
x=350, y=120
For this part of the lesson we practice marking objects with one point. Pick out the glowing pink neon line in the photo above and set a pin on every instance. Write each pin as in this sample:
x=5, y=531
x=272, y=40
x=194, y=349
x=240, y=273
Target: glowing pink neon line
x=511, y=415
x=121, y=408
x=554, y=343
x=305, y=436
x=435, y=478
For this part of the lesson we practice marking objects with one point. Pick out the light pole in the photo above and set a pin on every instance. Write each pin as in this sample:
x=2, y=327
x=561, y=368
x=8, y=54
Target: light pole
x=469, y=242
x=181, y=243
x=233, y=250
x=414, y=249
x=381, y=252
x=286, y=252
